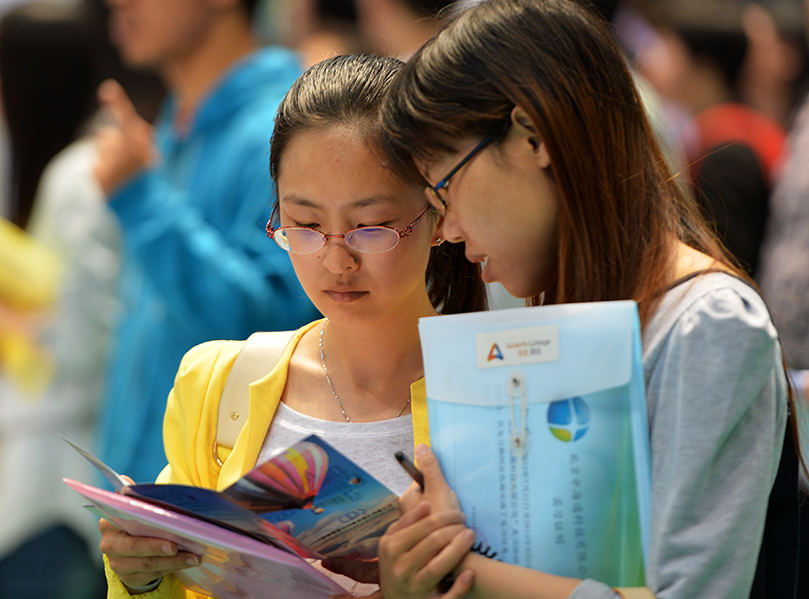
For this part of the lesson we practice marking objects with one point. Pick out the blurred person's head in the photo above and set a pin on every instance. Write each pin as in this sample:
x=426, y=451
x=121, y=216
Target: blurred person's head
x=726, y=50
x=399, y=27
x=774, y=75
x=697, y=55
x=47, y=86
x=317, y=29
x=156, y=34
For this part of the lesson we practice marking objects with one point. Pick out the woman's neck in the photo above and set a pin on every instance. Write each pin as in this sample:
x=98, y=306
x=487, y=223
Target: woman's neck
x=688, y=261
x=370, y=364
x=374, y=355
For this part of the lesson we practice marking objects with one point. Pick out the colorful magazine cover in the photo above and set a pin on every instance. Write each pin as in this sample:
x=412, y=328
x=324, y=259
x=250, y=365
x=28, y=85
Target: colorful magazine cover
x=232, y=564
x=308, y=501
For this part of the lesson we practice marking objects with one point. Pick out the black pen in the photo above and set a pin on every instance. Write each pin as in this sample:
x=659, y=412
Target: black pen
x=410, y=468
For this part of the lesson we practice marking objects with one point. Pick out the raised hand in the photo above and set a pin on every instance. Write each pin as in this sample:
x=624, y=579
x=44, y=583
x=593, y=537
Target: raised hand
x=126, y=148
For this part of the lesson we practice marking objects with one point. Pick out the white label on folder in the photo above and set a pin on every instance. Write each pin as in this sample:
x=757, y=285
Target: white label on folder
x=518, y=346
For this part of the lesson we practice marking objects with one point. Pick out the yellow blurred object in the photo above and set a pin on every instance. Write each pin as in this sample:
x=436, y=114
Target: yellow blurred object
x=30, y=277
x=30, y=273
x=25, y=364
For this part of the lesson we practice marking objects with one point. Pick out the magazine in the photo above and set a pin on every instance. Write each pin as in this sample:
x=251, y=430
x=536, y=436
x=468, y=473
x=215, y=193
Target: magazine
x=307, y=502
x=538, y=419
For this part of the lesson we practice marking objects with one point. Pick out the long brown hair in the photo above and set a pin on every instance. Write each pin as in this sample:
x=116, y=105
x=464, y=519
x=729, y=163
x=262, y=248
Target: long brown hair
x=348, y=91
x=620, y=208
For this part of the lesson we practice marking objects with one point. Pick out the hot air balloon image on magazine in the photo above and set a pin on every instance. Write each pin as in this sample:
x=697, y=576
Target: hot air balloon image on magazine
x=307, y=502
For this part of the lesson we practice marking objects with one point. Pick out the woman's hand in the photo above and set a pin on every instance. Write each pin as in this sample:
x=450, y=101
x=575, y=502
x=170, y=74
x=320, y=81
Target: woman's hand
x=140, y=560
x=436, y=490
x=420, y=549
x=423, y=546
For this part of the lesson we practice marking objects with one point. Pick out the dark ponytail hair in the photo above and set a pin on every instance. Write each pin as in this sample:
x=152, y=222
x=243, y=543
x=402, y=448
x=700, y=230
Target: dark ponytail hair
x=348, y=91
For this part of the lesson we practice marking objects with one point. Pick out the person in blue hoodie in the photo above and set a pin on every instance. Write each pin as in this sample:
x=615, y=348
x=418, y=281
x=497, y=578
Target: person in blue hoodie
x=191, y=195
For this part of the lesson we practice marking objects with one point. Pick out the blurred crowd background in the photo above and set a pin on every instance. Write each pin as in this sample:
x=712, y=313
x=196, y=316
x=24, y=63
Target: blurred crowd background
x=724, y=81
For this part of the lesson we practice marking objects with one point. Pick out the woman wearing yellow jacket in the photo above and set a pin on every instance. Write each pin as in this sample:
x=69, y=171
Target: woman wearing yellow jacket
x=366, y=246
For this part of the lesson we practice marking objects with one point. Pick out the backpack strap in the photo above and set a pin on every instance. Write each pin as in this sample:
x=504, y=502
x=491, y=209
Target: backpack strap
x=258, y=356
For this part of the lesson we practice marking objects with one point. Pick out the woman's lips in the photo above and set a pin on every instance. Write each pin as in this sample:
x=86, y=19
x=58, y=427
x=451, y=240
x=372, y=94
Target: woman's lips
x=485, y=271
x=484, y=263
x=344, y=297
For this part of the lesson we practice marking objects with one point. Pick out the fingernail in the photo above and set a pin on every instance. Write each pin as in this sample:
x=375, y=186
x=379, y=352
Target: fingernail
x=421, y=449
x=167, y=549
x=469, y=535
x=192, y=561
x=466, y=577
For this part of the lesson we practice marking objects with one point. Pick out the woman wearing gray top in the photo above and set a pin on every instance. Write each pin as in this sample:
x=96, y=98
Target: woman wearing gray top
x=546, y=168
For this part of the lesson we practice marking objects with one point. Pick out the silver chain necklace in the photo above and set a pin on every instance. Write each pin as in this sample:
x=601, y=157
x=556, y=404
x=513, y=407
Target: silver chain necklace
x=328, y=380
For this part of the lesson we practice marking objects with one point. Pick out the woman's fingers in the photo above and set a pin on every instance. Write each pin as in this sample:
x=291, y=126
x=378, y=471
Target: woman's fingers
x=417, y=574
x=403, y=535
x=139, y=560
x=416, y=513
x=461, y=586
x=411, y=498
x=442, y=552
x=436, y=489
x=435, y=556
x=414, y=558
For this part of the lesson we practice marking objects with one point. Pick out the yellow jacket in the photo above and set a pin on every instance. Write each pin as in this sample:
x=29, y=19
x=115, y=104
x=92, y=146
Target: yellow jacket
x=189, y=430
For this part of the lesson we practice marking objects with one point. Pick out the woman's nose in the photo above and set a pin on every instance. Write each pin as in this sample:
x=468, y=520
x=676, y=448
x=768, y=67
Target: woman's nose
x=338, y=257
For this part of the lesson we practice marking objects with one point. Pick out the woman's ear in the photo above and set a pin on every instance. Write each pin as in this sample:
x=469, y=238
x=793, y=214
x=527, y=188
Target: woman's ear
x=437, y=238
x=524, y=128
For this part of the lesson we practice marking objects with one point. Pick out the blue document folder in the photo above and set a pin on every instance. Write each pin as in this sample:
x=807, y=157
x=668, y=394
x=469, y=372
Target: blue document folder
x=538, y=418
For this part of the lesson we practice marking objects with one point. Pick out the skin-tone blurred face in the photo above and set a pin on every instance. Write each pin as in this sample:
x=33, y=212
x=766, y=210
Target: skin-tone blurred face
x=504, y=205
x=666, y=63
x=155, y=33
x=331, y=181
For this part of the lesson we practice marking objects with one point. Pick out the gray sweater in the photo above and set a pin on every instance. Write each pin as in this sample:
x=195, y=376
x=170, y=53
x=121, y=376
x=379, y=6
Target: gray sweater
x=717, y=403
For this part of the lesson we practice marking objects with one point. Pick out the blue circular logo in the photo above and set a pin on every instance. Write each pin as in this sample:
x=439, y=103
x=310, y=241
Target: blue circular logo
x=569, y=419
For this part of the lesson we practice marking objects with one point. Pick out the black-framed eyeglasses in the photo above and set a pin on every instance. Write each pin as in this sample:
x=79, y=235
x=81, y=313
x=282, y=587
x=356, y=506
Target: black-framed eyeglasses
x=434, y=192
x=368, y=240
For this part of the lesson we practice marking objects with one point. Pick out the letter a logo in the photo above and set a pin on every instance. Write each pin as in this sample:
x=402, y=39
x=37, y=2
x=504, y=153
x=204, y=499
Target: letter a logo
x=495, y=353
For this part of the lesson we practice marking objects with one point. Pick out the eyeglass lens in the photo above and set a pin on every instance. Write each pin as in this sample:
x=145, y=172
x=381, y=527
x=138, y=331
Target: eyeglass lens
x=368, y=240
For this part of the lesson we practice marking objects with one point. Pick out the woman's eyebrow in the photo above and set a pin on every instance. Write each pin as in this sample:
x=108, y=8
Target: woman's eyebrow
x=376, y=200
x=298, y=201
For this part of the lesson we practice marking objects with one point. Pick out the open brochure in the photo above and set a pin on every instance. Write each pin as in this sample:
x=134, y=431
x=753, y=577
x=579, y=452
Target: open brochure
x=538, y=419
x=309, y=501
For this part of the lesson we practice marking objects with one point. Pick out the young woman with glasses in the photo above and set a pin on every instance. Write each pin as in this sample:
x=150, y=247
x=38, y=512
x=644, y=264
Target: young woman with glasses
x=365, y=245
x=524, y=120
